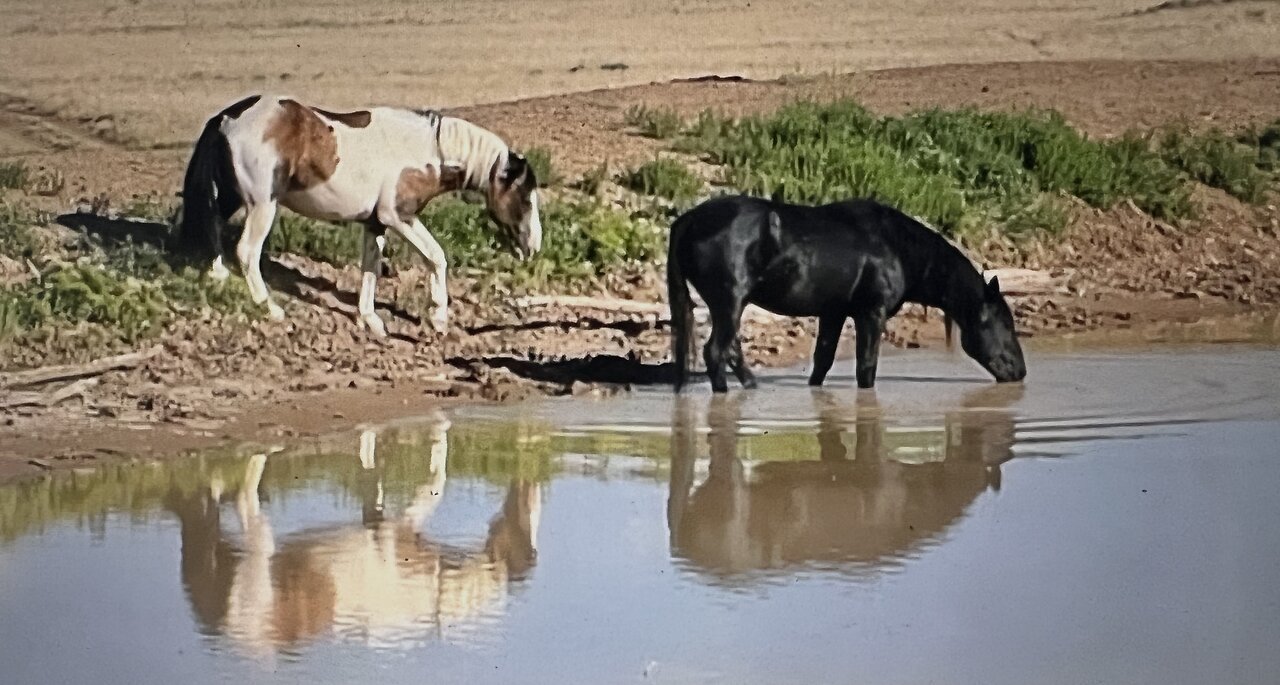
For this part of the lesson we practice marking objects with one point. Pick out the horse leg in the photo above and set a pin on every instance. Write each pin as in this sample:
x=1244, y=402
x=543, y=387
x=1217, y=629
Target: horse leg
x=257, y=225
x=375, y=240
x=869, y=328
x=738, y=363
x=722, y=346
x=437, y=289
x=824, y=350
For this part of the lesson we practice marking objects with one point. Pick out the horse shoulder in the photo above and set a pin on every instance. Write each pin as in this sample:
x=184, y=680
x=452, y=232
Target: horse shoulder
x=418, y=185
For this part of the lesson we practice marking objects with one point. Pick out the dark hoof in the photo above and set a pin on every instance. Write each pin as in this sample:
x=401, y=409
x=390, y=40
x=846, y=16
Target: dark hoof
x=815, y=382
x=749, y=384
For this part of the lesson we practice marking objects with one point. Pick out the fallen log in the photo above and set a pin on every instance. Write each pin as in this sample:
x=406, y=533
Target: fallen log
x=612, y=305
x=97, y=367
x=1026, y=281
x=48, y=398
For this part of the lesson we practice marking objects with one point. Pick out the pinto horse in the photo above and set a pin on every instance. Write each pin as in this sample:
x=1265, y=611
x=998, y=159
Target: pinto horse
x=856, y=259
x=378, y=167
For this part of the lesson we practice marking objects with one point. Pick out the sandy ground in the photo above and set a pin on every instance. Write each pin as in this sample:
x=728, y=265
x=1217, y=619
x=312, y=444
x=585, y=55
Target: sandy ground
x=109, y=96
x=147, y=72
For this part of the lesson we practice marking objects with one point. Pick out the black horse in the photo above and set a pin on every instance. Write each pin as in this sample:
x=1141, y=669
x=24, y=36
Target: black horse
x=856, y=259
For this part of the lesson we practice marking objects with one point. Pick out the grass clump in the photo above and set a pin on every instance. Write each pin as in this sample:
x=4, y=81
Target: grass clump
x=957, y=169
x=584, y=239
x=650, y=122
x=1265, y=143
x=13, y=175
x=540, y=159
x=1218, y=160
x=130, y=292
x=663, y=177
x=125, y=290
x=594, y=180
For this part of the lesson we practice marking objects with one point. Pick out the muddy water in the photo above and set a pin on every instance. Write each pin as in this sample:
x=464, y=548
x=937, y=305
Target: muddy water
x=1114, y=520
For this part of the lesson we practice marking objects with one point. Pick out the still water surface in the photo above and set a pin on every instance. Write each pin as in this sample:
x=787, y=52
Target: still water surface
x=1116, y=519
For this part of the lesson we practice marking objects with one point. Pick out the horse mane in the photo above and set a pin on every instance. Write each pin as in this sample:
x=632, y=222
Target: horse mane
x=476, y=149
x=947, y=278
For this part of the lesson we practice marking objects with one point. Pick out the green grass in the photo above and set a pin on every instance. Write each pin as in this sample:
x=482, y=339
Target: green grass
x=1265, y=143
x=1243, y=167
x=583, y=239
x=593, y=181
x=128, y=291
x=13, y=175
x=956, y=169
x=651, y=122
x=663, y=177
x=540, y=159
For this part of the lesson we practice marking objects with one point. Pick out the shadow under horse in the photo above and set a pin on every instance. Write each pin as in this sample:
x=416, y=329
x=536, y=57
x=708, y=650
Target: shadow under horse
x=857, y=259
x=864, y=503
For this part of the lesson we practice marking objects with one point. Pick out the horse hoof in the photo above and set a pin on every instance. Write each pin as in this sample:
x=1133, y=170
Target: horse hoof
x=218, y=271
x=439, y=322
x=374, y=325
x=274, y=312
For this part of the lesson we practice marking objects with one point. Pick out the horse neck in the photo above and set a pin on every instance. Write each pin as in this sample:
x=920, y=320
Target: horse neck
x=949, y=282
x=476, y=149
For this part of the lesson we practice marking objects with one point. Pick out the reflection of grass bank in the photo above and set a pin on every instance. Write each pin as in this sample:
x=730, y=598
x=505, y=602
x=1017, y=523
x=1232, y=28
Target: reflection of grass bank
x=498, y=452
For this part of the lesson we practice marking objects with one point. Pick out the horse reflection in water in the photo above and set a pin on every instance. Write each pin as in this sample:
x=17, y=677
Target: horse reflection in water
x=861, y=508
x=382, y=584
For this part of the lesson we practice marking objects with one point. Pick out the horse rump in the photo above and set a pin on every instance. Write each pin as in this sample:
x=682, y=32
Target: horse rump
x=210, y=192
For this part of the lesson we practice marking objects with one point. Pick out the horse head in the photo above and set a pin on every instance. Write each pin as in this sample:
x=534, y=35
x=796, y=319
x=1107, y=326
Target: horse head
x=990, y=339
x=512, y=199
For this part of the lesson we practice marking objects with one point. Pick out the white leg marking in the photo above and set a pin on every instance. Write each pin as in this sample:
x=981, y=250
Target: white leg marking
x=437, y=288
x=368, y=449
x=257, y=226
x=374, y=243
x=218, y=271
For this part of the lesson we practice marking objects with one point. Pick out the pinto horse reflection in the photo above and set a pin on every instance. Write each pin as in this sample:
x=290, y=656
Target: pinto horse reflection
x=861, y=506
x=383, y=583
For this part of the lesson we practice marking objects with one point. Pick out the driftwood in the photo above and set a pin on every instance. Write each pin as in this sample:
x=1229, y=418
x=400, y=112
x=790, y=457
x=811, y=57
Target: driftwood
x=655, y=310
x=97, y=367
x=1027, y=281
x=48, y=398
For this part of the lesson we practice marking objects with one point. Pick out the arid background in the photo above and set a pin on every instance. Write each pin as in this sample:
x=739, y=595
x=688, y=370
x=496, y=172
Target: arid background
x=107, y=97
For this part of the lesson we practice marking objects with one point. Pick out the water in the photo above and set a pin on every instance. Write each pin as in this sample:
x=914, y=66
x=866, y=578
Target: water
x=1114, y=520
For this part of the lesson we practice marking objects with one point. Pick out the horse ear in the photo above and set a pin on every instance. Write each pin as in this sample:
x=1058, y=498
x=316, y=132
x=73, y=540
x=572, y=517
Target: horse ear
x=993, y=286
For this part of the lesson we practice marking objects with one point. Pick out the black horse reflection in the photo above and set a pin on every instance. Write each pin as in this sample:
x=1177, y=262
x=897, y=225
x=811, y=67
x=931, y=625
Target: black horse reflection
x=380, y=583
x=859, y=507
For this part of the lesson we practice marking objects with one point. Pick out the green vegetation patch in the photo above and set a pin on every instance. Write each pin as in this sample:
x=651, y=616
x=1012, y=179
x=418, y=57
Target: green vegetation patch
x=665, y=178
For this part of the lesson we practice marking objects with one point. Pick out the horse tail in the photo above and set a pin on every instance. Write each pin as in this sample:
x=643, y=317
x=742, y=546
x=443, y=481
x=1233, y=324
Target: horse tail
x=210, y=194
x=683, y=325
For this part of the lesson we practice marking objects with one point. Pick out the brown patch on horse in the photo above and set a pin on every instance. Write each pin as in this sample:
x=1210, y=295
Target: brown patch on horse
x=308, y=149
x=356, y=119
x=417, y=187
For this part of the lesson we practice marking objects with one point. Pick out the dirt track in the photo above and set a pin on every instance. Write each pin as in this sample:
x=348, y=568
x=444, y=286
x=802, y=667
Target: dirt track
x=121, y=130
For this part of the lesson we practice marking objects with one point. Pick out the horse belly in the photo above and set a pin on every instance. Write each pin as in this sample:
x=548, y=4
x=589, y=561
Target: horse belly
x=337, y=199
x=788, y=289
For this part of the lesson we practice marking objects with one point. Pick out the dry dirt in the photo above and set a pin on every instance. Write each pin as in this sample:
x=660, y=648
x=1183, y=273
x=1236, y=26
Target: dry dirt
x=109, y=96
